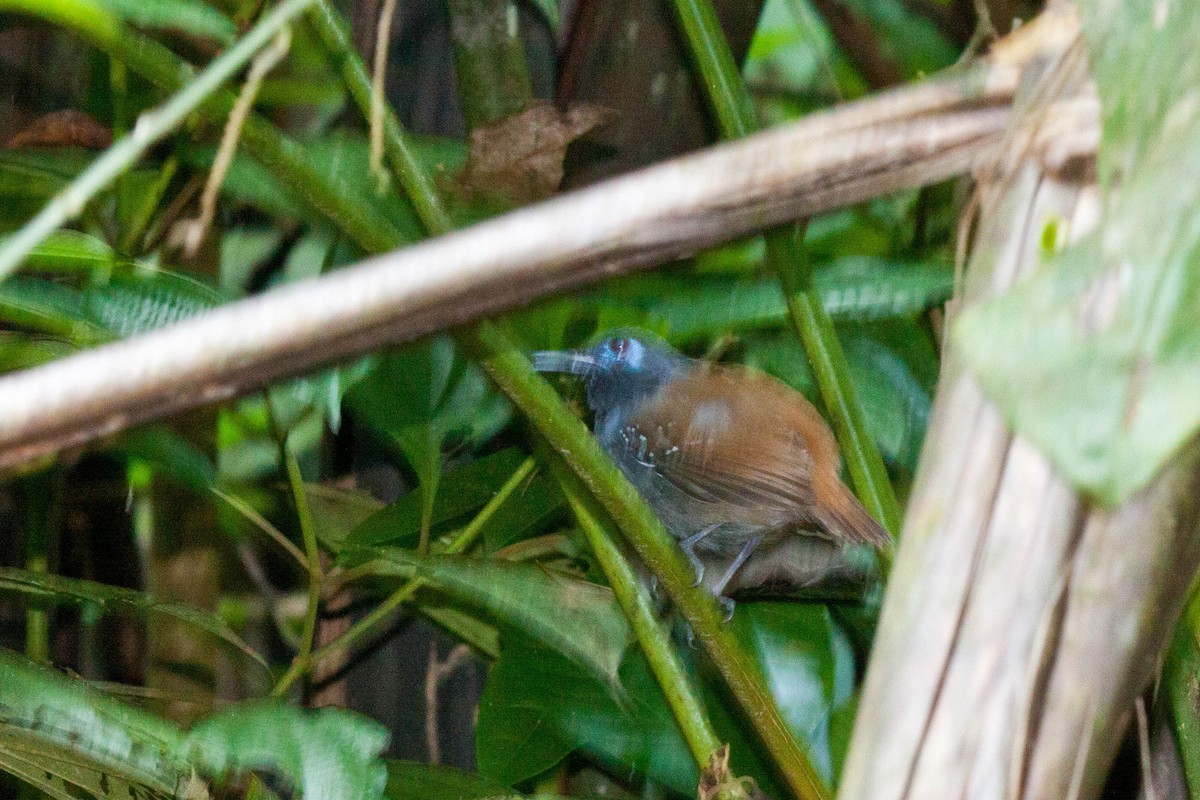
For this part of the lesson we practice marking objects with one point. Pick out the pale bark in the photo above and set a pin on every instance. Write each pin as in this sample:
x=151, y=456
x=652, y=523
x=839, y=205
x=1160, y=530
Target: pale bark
x=1020, y=621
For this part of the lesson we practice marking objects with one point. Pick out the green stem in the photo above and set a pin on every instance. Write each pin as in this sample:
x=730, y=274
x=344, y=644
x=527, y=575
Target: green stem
x=418, y=185
x=489, y=60
x=651, y=634
x=460, y=544
x=312, y=556
x=281, y=155
x=732, y=105
x=511, y=370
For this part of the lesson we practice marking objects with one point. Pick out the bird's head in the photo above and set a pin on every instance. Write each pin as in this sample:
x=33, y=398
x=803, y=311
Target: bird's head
x=619, y=370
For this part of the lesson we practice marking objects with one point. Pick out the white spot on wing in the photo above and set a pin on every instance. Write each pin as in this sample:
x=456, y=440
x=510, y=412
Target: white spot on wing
x=711, y=418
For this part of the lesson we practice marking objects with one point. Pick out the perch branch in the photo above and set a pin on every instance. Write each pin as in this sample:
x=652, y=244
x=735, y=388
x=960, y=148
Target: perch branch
x=899, y=140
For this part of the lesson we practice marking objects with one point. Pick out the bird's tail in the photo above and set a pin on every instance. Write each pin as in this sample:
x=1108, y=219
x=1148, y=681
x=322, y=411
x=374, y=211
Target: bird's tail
x=845, y=515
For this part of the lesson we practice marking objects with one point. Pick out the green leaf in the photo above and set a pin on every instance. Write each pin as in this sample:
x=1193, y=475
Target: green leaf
x=409, y=779
x=851, y=288
x=1181, y=679
x=343, y=158
x=172, y=454
x=56, y=590
x=79, y=735
x=1094, y=356
x=336, y=512
x=323, y=754
x=581, y=620
x=421, y=395
x=538, y=706
x=549, y=10
x=465, y=489
x=184, y=16
x=56, y=732
x=18, y=350
x=71, y=252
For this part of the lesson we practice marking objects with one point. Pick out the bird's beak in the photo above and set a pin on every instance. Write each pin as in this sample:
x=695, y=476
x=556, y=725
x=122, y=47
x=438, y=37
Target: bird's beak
x=563, y=361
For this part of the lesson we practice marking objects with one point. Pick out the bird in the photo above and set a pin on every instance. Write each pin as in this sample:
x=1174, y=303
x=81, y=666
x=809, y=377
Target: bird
x=731, y=460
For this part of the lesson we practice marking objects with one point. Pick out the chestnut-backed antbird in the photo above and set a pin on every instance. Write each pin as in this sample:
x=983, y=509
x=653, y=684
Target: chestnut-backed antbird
x=730, y=459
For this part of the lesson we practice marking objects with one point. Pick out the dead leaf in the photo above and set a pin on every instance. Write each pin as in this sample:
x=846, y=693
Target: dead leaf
x=519, y=158
x=66, y=128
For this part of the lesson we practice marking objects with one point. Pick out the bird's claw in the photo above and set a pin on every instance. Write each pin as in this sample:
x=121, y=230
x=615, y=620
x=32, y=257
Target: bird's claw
x=697, y=564
x=728, y=605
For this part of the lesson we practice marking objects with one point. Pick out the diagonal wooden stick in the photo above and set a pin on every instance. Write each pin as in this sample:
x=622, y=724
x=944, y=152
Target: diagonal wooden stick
x=904, y=139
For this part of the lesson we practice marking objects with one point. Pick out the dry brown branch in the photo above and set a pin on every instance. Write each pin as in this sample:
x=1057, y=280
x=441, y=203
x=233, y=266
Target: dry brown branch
x=907, y=138
x=1020, y=622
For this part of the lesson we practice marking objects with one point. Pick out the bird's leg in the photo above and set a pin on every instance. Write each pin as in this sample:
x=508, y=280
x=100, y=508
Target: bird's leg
x=719, y=589
x=689, y=549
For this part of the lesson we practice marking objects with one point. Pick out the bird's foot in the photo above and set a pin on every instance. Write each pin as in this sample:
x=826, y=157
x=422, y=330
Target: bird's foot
x=688, y=546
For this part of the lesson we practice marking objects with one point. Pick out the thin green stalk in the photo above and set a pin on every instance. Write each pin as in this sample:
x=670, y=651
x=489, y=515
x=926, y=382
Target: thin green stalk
x=312, y=555
x=151, y=127
x=510, y=369
x=732, y=105
x=489, y=60
x=41, y=496
x=460, y=544
x=280, y=154
x=651, y=634
x=418, y=184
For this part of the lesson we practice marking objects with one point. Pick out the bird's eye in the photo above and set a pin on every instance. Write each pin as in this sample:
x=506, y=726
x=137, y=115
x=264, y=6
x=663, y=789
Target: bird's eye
x=618, y=346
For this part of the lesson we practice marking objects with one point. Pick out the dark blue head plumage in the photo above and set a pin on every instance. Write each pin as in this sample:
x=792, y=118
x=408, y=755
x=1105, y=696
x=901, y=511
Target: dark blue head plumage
x=619, y=372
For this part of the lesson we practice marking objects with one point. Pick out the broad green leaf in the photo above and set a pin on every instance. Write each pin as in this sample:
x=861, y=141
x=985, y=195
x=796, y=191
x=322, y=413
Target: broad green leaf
x=894, y=404
x=420, y=396
x=322, y=754
x=465, y=489
x=71, y=252
x=77, y=733
x=578, y=619
x=192, y=17
x=18, y=350
x=537, y=706
x=1181, y=680
x=409, y=779
x=48, y=307
x=1094, y=356
x=549, y=11
x=343, y=158
x=60, y=771
x=852, y=288
x=336, y=512
x=55, y=590
x=172, y=455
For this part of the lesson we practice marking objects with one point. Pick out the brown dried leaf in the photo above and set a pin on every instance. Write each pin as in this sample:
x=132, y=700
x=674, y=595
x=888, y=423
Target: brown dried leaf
x=519, y=158
x=66, y=128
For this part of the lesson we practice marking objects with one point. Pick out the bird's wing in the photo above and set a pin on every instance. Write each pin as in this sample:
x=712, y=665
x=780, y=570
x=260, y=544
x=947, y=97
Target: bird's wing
x=737, y=438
